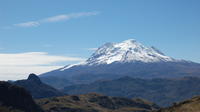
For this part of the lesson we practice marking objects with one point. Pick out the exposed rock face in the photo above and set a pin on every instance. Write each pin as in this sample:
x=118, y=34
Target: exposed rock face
x=16, y=98
x=34, y=78
x=38, y=89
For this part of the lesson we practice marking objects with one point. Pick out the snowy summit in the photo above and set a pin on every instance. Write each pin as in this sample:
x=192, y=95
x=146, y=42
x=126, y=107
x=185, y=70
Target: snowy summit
x=126, y=51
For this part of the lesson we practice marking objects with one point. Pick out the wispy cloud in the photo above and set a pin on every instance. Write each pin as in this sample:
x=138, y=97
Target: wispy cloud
x=57, y=18
x=68, y=16
x=22, y=64
x=28, y=24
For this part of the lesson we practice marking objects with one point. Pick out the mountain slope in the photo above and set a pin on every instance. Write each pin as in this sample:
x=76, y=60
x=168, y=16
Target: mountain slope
x=127, y=51
x=115, y=60
x=16, y=99
x=191, y=105
x=95, y=103
x=37, y=88
x=163, y=92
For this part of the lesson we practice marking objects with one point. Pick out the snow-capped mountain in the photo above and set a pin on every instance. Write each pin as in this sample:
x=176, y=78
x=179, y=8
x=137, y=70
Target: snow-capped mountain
x=126, y=51
x=115, y=60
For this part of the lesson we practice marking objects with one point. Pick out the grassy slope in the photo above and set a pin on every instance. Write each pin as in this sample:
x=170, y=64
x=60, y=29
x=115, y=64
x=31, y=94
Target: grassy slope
x=94, y=103
x=192, y=105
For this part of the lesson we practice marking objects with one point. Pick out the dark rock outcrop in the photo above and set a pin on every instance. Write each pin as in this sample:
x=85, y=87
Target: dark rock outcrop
x=37, y=88
x=13, y=97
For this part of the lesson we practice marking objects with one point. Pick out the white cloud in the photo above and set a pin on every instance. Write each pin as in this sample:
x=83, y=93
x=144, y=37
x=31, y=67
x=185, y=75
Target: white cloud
x=32, y=58
x=19, y=65
x=69, y=16
x=22, y=72
x=56, y=18
x=28, y=24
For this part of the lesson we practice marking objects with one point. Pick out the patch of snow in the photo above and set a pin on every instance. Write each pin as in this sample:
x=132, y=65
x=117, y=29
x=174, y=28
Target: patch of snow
x=69, y=66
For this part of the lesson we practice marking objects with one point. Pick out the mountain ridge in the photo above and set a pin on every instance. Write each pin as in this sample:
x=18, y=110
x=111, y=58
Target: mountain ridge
x=126, y=51
x=115, y=60
x=37, y=88
x=163, y=92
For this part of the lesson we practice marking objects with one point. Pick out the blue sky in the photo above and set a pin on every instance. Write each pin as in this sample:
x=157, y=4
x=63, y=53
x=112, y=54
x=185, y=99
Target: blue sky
x=70, y=28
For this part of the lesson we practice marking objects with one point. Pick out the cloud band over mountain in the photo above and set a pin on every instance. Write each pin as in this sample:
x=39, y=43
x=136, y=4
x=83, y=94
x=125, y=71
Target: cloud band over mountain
x=57, y=18
x=16, y=65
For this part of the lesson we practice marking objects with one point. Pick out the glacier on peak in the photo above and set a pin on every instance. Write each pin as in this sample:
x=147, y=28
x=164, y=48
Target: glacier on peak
x=126, y=51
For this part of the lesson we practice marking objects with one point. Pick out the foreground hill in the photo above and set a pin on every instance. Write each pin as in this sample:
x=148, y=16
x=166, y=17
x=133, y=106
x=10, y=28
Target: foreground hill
x=163, y=92
x=37, y=88
x=192, y=105
x=116, y=60
x=16, y=99
x=95, y=103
